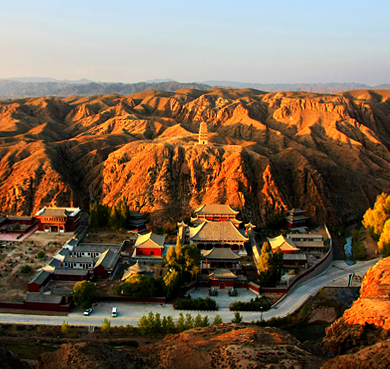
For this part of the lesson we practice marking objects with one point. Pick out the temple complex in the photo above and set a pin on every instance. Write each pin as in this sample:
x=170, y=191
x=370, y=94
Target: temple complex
x=221, y=268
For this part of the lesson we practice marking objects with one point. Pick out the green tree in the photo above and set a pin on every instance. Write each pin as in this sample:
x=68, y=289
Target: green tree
x=138, y=285
x=15, y=227
x=189, y=322
x=183, y=263
x=237, y=317
x=270, y=265
x=171, y=282
x=168, y=325
x=144, y=325
x=106, y=326
x=180, y=324
x=85, y=293
x=217, y=320
x=198, y=322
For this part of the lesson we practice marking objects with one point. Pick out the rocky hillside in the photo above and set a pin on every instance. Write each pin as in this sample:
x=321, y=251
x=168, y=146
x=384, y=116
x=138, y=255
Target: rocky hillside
x=328, y=154
x=362, y=335
x=224, y=346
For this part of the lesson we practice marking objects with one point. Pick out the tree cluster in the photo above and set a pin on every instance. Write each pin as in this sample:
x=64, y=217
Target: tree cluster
x=196, y=304
x=139, y=285
x=258, y=304
x=153, y=324
x=116, y=217
x=183, y=263
x=270, y=265
x=85, y=293
x=377, y=222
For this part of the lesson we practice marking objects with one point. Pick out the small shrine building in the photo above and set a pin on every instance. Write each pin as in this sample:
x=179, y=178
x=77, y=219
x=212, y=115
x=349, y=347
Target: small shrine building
x=150, y=245
x=296, y=218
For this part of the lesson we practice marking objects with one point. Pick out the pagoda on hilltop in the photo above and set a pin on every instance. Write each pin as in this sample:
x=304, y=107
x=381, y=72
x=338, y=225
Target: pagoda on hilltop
x=203, y=134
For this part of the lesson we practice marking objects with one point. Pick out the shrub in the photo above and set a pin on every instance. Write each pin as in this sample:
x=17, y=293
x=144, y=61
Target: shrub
x=41, y=254
x=65, y=328
x=26, y=269
x=196, y=304
x=217, y=320
x=259, y=304
x=15, y=227
x=106, y=326
x=237, y=317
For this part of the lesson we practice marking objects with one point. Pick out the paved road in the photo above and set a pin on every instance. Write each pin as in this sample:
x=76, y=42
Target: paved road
x=131, y=313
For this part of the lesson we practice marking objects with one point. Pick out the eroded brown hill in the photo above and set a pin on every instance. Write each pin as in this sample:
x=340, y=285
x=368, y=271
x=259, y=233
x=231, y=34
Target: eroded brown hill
x=362, y=334
x=328, y=154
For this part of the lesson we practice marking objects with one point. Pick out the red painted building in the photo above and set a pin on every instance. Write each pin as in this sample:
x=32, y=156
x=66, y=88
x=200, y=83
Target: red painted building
x=150, y=245
x=58, y=219
x=25, y=224
x=39, y=281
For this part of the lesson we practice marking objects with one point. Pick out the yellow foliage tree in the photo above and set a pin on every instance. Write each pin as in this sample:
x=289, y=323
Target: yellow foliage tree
x=384, y=241
x=375, y=219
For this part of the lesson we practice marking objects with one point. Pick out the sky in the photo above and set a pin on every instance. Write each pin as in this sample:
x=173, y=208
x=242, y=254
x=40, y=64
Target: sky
x=259, y=41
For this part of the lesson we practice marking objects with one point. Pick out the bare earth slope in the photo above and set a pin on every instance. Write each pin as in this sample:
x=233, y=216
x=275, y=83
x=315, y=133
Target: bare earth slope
x=363, y=331
x=328, y=154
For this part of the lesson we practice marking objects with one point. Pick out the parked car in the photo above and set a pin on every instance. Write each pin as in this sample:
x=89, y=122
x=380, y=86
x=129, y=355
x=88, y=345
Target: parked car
x=88, y=311
x=114, y=312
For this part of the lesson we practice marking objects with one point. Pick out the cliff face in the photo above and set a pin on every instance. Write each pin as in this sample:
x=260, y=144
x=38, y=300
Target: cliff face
x=365, y=326
x=328, y=154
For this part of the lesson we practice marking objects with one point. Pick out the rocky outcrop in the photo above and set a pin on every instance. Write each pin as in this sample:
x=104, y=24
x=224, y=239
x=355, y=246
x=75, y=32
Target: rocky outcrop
x=85, y=355
x=328, y=154
x=366, y=323
x=228, y=346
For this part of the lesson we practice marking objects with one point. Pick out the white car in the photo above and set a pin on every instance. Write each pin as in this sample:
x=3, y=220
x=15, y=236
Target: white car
x=88, y=311
x=114, y=312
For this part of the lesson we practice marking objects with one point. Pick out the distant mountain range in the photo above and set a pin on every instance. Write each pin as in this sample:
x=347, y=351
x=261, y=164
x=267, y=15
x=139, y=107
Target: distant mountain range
x=10, y=89
x=37, y=86
x=307, y=87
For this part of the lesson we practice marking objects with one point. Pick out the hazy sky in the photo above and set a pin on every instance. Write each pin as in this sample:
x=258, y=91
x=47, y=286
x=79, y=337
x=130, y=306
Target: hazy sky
x=263, y=41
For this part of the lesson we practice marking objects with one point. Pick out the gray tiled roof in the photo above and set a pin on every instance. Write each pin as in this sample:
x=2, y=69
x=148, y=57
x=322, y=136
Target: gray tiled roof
x=216, y=209
x=85, y=247
x=150, y=240
x=221, y=254
x=108, y=260
x=40, y=277
x=75, y=259
x=58, y=212
x=222, y=273
x=43, y=297
x=216, y=231
x=70, y=271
